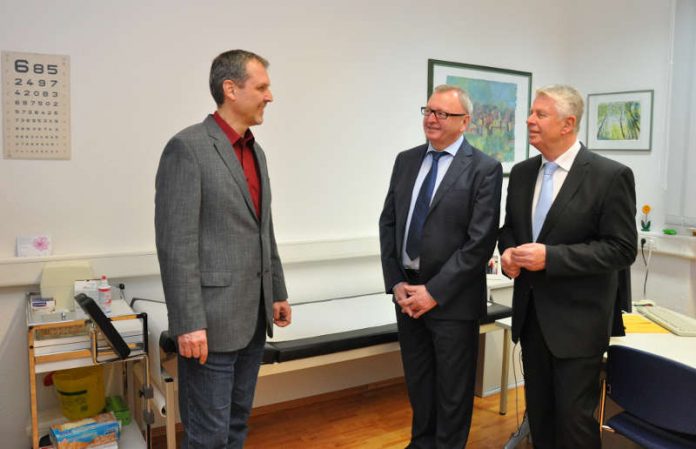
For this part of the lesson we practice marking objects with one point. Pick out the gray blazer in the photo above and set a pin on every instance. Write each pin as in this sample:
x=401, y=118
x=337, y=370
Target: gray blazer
x=216, y=257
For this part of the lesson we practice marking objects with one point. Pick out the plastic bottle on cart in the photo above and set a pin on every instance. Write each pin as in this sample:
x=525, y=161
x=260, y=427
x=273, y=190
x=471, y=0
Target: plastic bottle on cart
x=104, y=299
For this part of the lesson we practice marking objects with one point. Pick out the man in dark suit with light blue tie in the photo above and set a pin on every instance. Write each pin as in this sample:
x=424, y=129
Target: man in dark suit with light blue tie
x=437, y=233
x=569, y=231
x=221, y=272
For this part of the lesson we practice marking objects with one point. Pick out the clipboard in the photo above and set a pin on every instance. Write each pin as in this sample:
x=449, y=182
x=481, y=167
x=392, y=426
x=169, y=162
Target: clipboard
x=104, y=324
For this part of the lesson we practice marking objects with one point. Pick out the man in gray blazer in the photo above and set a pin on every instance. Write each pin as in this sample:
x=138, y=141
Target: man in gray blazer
x=222, y=276
x=437, y=232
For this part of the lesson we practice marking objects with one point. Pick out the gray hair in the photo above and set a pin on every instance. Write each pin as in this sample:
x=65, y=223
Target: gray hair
x=461, y=94
x=568, y=101
x=230, y=65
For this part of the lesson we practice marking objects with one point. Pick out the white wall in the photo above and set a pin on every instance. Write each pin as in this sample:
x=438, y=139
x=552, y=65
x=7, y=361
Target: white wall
x=670, y=263
x=681, y=163
x=624, y=45
x=348, y=78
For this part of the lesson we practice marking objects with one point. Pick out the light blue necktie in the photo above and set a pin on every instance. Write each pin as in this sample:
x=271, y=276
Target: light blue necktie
x=545, y=198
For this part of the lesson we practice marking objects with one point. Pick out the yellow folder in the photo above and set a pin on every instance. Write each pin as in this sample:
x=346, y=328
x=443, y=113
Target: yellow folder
x=638, y=324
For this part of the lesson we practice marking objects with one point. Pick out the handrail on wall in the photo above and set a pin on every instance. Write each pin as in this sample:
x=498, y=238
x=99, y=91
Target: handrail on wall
x=17, y=271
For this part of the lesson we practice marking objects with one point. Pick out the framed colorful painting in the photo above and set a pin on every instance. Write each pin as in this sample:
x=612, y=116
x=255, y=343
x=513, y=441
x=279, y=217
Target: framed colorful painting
x=501, y=100
x=620, y=121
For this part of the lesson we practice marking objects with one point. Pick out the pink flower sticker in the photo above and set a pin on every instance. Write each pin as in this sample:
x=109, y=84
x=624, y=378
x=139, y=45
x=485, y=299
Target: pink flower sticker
x=41, y=243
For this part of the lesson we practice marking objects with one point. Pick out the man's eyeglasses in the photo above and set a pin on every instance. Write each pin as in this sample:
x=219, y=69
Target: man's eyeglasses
x=442, y=115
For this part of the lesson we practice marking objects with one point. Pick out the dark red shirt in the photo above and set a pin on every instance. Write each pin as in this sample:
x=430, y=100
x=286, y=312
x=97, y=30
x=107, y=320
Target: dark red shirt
x=244, y=149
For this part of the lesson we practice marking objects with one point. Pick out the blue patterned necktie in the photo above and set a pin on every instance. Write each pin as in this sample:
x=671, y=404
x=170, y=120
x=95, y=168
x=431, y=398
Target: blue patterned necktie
x=421, y=208
x=545, y=198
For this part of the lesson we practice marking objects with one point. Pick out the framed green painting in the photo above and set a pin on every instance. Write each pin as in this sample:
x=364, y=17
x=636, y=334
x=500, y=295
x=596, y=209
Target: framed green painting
x=501, y=100
x=620, y=121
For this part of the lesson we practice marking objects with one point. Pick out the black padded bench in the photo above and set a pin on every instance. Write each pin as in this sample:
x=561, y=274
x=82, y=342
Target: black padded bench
x=322, y=333
x=287, y=350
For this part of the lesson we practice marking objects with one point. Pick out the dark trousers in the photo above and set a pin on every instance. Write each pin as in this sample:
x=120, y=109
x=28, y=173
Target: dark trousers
x=215, y=399
x=439, y=358
x=561, y=394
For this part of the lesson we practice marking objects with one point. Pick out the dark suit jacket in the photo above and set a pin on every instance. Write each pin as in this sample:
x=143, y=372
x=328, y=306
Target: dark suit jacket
x=590, y=235
x=459, y=233
x=216, y=256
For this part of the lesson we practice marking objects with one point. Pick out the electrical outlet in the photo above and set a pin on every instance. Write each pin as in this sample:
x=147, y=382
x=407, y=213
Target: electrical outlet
x=650, y=244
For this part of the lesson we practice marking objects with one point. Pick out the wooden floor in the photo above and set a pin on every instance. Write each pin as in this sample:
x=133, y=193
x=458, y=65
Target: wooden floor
x=376, y=418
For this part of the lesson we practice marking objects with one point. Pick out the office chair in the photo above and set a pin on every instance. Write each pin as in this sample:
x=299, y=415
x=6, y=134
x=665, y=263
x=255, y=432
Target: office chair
x=657, y=395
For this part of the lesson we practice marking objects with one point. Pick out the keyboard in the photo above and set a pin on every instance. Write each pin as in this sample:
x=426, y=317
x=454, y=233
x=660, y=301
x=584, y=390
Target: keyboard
x=669, y=319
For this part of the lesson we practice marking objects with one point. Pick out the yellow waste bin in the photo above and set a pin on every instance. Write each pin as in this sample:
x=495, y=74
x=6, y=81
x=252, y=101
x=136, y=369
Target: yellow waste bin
x=80, y=391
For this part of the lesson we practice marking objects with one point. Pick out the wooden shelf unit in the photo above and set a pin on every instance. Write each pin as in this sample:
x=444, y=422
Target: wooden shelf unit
x=41, y=325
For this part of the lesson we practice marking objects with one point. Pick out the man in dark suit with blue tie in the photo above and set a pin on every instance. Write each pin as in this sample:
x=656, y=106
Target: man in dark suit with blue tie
x=569, y=231
x=437, y=233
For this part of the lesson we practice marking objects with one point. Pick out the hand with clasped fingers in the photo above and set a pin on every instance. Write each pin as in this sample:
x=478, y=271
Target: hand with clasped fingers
x=530, y=256
x=414, y=300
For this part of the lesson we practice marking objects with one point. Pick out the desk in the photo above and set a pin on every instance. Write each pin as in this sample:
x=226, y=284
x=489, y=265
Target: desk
x=656, y=346
x=680, y=349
